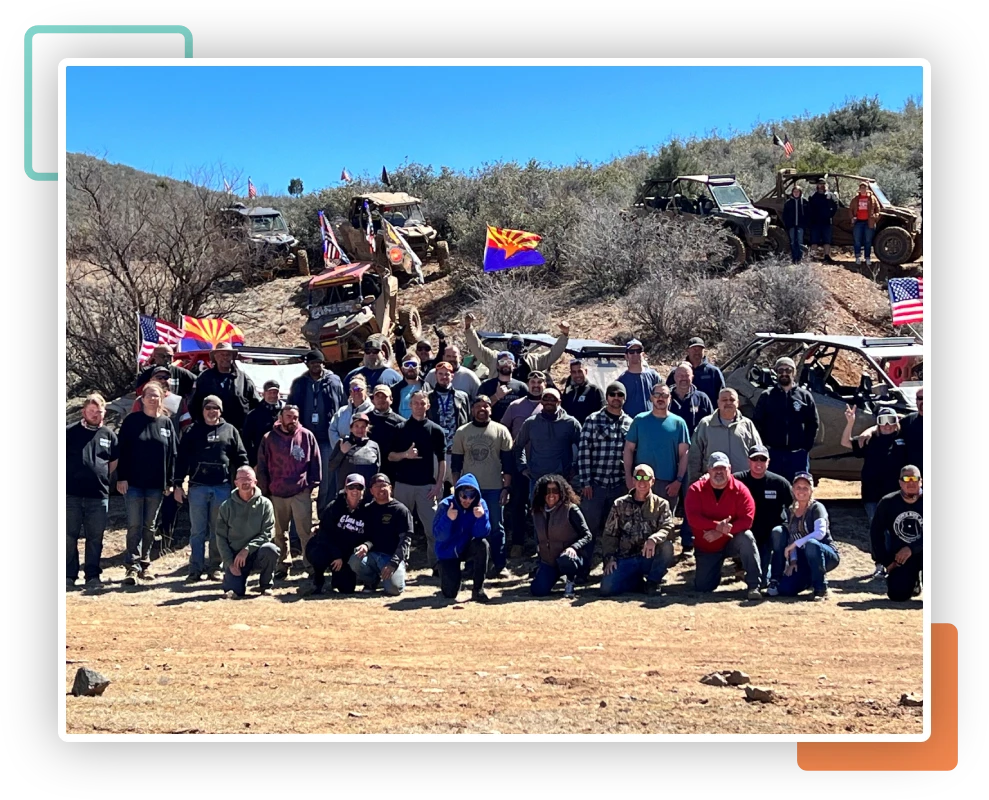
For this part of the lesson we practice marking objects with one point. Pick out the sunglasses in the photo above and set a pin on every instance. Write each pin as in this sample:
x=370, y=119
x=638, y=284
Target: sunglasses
x=636, y=352
x=784, y=371
x=661, y=395
x=552, y=491
x=643, y=477
x=358, y=388
x=423, y=349
x=470, y=494
x=211, y=408
x=910, y=479
x=616, y=394
x=758, y=458
x=410, y=364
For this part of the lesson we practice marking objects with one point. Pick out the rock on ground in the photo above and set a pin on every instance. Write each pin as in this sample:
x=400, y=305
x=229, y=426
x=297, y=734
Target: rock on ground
x=89, y=683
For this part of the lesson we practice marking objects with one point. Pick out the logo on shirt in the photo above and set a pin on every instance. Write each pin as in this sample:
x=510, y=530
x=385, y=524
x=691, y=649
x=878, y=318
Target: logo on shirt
x=104, y=442
x=165, y=432
x=385, y=519
x=908, y=526
x=297, y=453
x=770, y=494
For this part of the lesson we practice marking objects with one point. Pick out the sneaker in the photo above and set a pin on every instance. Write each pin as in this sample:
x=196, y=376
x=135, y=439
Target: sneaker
x=479, y=596
x=94, y=583
x=858, y=259
x=773, y=589
x=281, y=575
x=880, y=571
x=653, y=589
x=215, y=575
x=498, y=574
x=70, y=583
x=145, y=574
x=516, y=551
x=265, y=591
x=230, y=594
x=130, y=578
x=568, y=590
x=822, y=595
x=193, y=577
x=753, y=594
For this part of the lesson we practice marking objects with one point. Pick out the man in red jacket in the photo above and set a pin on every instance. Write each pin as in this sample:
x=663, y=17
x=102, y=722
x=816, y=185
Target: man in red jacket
x=720, y=511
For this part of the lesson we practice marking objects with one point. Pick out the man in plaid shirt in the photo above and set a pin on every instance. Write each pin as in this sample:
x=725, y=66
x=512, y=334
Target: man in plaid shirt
x=600, y=470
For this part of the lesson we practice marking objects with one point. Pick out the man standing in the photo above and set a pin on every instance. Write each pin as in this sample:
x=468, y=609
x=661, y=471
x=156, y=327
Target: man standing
x=638, y=539
x=581, y=398
x=262, y=419
x=419, y=460
x=245, y=526
x=786, y=417
x=547, y=441
x=659, y=439
x=180, y=380
x=772, y=495
x=691, y=405
x=289, y=469
x=483, y=449
x=725, y=431
x=381, y=559
x=210, y=453
x=638, y=381
x=795, y=220
x=375, y=369
x=503, y=389
x=864, y=211
x=461, y=529
x=384, y=424
x=524, y=363
x=424, y=352
x=897, y=535
x=464, y=380
x=401, y=392
x=318, y=393
x=720, y=510
x=518, y=412
x=600, y=465
x=821, y=209
x=704, y=375
x=912, y=426
x=91, y=452
x=448, y=407
x=233, y=386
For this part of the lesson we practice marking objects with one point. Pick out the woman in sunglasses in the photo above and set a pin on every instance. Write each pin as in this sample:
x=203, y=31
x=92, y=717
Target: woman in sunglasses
x=562, y=535
x=461, y=528
x=883, y=455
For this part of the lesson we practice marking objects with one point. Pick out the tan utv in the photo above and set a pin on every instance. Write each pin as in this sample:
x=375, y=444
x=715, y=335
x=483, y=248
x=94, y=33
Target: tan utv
x=405, y=213
x=898, y=238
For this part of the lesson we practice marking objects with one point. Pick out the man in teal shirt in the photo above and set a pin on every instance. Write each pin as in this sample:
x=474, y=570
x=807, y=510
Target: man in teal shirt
x=659, y=439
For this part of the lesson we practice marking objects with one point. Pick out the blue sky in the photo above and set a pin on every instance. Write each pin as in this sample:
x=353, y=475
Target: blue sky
x=276, y=123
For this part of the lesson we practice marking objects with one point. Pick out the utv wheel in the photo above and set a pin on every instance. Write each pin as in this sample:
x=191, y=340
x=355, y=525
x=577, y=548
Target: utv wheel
x=408, y=318
x=918, y=248
x=442, y=253
x=893, y=245
x=737, y=251
x=779, y=240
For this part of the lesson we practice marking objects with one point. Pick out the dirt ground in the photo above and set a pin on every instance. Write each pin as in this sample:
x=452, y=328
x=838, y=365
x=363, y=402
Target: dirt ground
x=183, y=660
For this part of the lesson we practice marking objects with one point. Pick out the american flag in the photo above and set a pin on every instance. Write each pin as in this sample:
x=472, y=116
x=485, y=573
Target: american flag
x=331, y=247
x=252, y=191
x=906, y=299
x=345, y=176
x=153, y=333
x=369, y=233
x=784, y=143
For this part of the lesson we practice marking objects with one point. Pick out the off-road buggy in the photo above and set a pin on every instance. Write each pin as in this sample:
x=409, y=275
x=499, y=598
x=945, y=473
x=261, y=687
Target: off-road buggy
x=271, y=248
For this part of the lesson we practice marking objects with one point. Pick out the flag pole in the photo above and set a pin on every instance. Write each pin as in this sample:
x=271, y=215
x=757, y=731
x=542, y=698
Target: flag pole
x=140, y=338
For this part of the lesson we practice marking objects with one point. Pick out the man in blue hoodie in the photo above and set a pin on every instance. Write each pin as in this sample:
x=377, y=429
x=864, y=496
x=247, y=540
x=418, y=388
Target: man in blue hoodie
x=461, y=528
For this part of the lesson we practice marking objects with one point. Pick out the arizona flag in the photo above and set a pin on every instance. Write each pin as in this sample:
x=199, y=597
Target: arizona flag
x=506, y=248
x=205, y=334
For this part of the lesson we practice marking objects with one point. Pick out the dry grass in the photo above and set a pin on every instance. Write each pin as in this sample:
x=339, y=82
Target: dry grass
x=181, y=659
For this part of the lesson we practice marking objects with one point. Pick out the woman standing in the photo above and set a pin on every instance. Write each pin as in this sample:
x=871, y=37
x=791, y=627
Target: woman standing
x=145, y=473
x=562, y=535
x=803, y=550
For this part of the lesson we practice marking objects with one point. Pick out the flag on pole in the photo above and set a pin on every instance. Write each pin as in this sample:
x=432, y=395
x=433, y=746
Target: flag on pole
x=331, y=247
x=205, y=334
x=153, y=333
x=384, y=177
x=227, y=187
x=784, y=143
x=506, y=248
x=369, y=231
x=345, y=176
x=395, y=238
x=252, y=191
x=906, y=300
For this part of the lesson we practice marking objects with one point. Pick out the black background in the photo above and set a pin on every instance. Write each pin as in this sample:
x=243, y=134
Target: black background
x=767, y=768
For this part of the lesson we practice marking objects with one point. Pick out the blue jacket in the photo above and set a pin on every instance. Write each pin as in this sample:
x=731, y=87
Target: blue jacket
x=322, y=397
x=453, y=536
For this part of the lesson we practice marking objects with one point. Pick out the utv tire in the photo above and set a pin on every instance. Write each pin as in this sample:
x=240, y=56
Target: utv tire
x=408, y=318
x=442, y=253
x=893, y=245
x=738, y=252
x=918, y=248
x=779, y=240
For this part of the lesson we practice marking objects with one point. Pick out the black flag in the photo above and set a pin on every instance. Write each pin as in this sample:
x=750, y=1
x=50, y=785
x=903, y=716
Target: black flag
x=384, y=177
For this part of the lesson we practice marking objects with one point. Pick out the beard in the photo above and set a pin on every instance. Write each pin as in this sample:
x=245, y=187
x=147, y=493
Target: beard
x=785, y=380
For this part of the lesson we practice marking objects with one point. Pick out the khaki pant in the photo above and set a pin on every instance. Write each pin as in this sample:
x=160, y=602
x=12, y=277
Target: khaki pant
x=298, y=508
x=415, y=499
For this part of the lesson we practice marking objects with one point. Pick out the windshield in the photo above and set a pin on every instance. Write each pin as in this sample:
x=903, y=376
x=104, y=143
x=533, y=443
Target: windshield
x=269, y=224
x=730, y=195
x=883, y=201
x=400, y=216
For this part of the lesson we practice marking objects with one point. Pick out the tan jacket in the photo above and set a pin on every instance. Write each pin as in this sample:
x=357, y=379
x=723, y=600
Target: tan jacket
x=713, y=436
x=874, y=209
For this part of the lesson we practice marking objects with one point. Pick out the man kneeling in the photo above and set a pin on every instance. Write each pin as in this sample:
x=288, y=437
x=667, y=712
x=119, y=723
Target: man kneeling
x=382, y=558
x=638, y=538
x=245, y=532
x=461, y=528
x=341, y=531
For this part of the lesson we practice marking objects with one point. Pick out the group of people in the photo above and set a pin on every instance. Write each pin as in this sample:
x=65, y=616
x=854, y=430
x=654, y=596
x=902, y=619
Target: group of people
x=587, y=472
x=812, y=219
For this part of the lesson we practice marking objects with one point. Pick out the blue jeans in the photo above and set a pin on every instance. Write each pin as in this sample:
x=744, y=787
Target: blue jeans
x=630, y=571
x=814, y=560
x=796, y=244
x=789, y=462
x=262, y=560
x=142, y=516
x=765, y=547
x=204, y=504
x=89, y=515
x=862, y=237
x=368, y=572
x=548, y=574
x=497, y=537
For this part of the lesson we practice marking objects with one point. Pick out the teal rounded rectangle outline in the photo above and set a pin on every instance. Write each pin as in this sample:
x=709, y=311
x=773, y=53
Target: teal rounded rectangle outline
x=28, y=38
